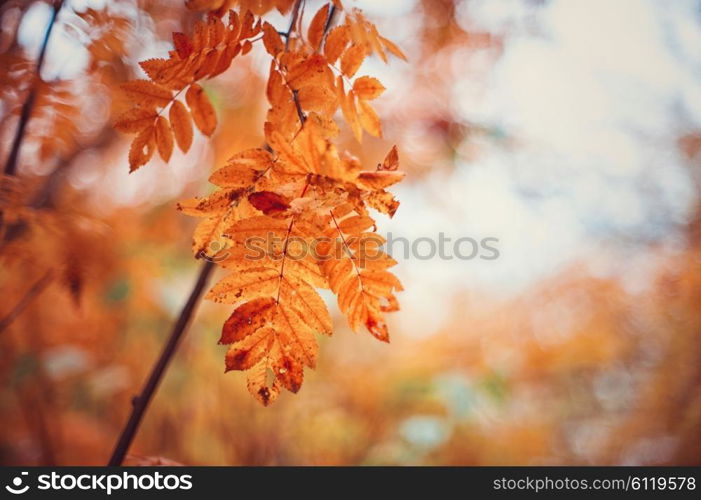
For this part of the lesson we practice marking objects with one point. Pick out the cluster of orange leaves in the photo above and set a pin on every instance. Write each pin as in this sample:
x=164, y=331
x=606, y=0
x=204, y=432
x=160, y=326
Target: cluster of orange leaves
x=297, y=193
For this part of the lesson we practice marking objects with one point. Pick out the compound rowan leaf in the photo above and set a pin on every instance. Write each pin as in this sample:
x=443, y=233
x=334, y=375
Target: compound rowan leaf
x=202, y=110
x=292, y=217
x=182, y=125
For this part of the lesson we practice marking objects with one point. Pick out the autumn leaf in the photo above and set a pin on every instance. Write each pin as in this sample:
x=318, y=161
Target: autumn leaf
x=369, y=118
x=292, y=217
x=147, y=94
x=351, y=59
x=367, y=87
x=142, y=148
x=316, y=28
x=181, y=123
x=336, y=42
x=202, y=110
x=271, y=40
x=135, y=120
x=164, y=138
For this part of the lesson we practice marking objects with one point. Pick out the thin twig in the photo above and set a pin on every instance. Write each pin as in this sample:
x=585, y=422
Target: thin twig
x=298, y=106
x=329, y=21
x=28, y=106
x=140, y=402
x=31, y=294
x=293, y=23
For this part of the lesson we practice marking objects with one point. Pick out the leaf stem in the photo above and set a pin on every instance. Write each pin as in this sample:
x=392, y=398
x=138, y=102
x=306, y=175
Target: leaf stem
x=140, y=403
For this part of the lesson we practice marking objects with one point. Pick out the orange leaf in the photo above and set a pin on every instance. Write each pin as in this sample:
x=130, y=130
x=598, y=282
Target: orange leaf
x=336, y=42
x=142, y=148
x=351, y=59
x=367, y=87
x=182, y=125
x=182, y=45
x=391, y=161
x=369, y=119
x=135, y=120
x=379, y=179
x=147, y=94
x=316, y=27
x=356, y=224
x=246, y=319
x=271, y=40
x=201, y=109
x=247, y=353
x=164, y=138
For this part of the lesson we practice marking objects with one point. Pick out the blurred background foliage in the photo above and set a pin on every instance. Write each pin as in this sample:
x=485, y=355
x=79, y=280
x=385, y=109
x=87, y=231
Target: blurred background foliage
x=570, y=131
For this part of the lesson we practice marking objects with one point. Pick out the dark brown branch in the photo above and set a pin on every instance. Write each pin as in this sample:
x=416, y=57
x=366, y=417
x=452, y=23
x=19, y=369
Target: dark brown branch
x=31, y=294
x=28, y=106
x=140, y=403
x=300, y=113
x=329, y=21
